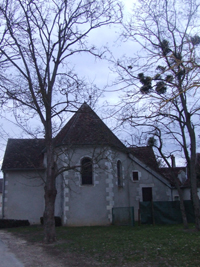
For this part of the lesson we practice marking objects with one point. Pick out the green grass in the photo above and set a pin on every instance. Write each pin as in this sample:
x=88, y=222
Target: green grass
x=157, y=245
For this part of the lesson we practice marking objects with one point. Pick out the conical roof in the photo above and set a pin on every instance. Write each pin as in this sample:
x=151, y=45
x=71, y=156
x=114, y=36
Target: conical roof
x=86, y=128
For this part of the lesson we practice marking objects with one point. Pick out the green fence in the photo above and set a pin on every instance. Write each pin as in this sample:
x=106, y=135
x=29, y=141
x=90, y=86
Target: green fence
x=165, y=212
x=123, y=216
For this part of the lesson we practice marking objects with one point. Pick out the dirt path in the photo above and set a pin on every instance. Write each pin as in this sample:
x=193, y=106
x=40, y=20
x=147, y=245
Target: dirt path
x=41, y=255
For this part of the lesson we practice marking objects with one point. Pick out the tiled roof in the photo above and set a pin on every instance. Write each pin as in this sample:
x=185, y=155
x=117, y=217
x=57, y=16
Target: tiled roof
x=167, y=173
x=23, y=154
x=86, y=128
x=146, y=155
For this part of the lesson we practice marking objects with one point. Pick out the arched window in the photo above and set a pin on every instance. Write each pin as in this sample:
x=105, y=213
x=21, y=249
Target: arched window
x=86, y=171
x=119, y=173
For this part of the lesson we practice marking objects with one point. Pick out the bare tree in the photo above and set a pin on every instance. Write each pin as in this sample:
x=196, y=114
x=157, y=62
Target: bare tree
x=162, y=80
x=38, y=38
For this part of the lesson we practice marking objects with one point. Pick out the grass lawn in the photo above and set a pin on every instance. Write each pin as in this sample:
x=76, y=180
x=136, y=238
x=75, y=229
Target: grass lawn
x=116, y=246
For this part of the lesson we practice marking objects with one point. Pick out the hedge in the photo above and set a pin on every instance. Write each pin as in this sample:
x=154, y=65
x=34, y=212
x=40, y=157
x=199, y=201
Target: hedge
x=8, y=223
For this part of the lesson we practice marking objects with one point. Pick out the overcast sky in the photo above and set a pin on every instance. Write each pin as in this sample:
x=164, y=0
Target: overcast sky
x=94, y=70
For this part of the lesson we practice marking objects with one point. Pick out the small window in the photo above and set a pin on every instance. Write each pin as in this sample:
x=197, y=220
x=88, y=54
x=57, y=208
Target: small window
x=135, y=175
x=119, y=173
x=86, y=171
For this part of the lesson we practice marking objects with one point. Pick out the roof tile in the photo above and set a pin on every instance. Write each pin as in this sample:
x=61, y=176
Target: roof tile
x=86, y=128
x=146, y=155
x=23, y=154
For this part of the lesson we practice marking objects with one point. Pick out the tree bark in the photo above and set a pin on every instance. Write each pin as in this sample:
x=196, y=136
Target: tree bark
x=182, y=206
x=50, y=185
x=192, y=171
x=50, y=197
x=49, y=221
x=192, y=159
x=195, y=198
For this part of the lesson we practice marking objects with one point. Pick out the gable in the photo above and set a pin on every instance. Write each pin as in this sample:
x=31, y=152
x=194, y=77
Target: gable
x=148, y=168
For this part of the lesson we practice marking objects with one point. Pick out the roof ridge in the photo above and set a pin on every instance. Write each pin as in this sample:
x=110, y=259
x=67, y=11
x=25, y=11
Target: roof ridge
x=74, y=118
x=86, y=127
x=78, y=113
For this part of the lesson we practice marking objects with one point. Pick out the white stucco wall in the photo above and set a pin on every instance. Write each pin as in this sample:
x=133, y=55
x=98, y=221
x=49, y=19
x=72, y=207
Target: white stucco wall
x=121, y=193
x=87, y=204
x=92, y=204
x=24, y=196
x=160, y=191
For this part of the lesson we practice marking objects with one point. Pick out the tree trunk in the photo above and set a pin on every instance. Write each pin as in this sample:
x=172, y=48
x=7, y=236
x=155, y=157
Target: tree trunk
x=191, y=160
x=192, y=172
x=49, y=221
x=50, y=197
x=182, y=206
x=195, y=198
x=50, y=186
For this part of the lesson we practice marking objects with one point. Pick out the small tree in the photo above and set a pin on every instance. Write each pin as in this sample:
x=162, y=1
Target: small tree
x=162, y=80
x=38, y=38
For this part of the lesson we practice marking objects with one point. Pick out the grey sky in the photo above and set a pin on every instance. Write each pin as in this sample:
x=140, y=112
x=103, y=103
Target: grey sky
x=94, y=70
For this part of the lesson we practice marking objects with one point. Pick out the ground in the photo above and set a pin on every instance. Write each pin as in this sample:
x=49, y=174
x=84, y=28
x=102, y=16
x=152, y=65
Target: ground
x=32, y=255
x=114, y=246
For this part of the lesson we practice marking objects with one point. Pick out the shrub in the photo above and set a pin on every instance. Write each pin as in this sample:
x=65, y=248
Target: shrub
x=8, y=223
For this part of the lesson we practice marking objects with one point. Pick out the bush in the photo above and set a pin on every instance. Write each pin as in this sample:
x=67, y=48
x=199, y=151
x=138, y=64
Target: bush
x=7, y=223
x=58, y=221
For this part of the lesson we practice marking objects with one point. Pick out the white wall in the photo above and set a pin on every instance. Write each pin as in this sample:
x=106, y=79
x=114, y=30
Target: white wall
x=160, y=191
x=87, y=204
x=24, y=196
